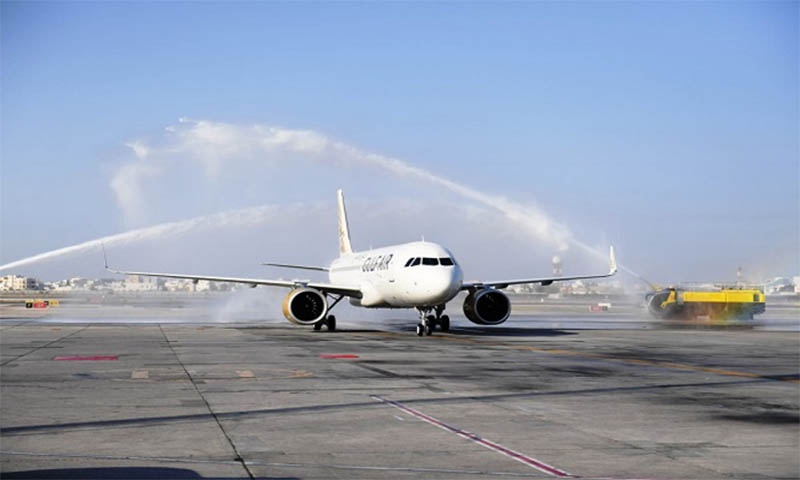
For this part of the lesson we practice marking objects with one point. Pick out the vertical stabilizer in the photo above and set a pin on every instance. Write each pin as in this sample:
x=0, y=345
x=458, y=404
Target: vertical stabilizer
x=344, y=228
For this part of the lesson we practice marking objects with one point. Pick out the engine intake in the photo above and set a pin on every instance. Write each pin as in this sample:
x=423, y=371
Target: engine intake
x=487, y=306
x=305, y=306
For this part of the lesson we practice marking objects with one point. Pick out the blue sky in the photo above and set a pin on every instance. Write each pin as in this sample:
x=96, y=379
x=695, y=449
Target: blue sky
x=670, y=129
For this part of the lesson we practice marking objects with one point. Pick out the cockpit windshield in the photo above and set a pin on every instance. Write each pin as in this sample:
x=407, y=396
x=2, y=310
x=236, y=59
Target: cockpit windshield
x=444, y=261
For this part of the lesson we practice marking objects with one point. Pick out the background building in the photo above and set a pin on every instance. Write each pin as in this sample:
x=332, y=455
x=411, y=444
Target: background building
x=138, y=283
x=18, y=283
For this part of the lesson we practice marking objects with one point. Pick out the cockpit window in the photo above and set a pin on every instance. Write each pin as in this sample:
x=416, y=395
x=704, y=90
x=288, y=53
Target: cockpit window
x=446, y=261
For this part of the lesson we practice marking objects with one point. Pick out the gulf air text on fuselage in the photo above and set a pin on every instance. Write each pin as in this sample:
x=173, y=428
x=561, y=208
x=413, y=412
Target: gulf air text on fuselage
x=381, y=262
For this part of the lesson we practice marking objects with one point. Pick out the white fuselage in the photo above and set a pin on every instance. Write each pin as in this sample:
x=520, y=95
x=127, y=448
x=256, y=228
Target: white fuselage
x=417, y=274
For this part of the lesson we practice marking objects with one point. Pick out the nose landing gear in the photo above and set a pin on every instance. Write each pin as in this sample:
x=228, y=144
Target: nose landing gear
x=427, y=322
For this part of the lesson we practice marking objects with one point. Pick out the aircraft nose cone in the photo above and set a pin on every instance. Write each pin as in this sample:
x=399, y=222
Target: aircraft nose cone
x=444, y=284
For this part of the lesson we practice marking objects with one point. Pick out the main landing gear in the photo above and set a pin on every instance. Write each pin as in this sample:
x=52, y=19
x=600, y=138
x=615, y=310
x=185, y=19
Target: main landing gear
x=427, y=322
x=330, y=320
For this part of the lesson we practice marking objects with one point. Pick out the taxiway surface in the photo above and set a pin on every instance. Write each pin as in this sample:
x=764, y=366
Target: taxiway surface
x=90, y=400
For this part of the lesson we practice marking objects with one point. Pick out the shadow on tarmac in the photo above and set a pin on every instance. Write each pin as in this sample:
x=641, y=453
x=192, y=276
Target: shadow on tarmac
x=120, y=473
x=177, y=419
x=479, y=330
x=509, y=332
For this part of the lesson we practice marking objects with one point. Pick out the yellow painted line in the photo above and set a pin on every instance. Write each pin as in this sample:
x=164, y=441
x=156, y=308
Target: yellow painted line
x=732, y=373
x=653, y=363
x=245, y=374
x=645, y=362
x=140, y=374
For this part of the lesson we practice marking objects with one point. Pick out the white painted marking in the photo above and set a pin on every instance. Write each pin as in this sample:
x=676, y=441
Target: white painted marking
x=140, y=374
x=530, y=461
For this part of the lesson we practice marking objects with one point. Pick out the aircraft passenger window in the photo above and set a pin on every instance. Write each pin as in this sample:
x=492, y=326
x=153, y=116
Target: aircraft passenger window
x=415, y=262
x=446, y=261
x=430, y=261
x=408, y=263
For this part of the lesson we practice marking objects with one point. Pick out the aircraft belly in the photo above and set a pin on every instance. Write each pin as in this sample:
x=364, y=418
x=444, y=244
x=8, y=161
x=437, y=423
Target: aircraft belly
x=382, y=293
x=371, y=295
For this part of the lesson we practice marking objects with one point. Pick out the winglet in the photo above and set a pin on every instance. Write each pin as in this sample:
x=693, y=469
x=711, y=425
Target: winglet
x=613, y=261
x=344, y=229
x=105, y=258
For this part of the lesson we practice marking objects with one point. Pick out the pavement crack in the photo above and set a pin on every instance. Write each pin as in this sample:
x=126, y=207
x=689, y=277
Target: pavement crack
x=238, y=456
x=43, y=346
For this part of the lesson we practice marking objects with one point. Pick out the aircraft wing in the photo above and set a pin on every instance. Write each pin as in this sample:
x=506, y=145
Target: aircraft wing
x=543, y=280
x=254, y=282
x=299, y=267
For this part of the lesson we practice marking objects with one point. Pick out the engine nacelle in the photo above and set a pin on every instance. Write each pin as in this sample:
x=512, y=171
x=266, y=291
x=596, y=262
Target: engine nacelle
x=487, y=306
x=305, y=306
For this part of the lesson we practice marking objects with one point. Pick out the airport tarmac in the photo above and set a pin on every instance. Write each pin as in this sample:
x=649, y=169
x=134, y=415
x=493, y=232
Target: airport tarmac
x=536, y=397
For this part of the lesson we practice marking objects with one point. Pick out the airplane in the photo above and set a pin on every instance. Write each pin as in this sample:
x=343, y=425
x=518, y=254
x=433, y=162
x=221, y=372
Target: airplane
x=421, y=275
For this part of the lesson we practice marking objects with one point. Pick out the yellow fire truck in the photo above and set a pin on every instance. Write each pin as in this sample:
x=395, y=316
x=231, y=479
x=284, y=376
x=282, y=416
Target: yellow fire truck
x=725, y=303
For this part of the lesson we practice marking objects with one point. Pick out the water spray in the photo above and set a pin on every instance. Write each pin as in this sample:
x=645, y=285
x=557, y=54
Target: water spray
x=211, y=143
x=243, y=217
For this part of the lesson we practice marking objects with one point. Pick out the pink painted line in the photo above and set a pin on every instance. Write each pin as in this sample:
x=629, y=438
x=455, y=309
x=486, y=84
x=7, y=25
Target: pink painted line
x=90, y=358
x=338, y=355
x=530, y=461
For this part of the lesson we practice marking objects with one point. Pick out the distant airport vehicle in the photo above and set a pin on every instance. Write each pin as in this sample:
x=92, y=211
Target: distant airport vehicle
x=41, y=303
x=421, y=275
x=715, y=305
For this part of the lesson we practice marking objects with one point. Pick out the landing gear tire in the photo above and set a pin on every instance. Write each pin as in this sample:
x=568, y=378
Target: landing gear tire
x=420, y=329
x=444, y=323
x=318, y=325
x=331, y=323
x=430, y=324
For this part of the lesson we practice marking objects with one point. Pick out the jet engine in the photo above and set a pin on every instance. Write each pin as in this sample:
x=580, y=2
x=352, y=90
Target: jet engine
x=487, y=306
x=305, y=306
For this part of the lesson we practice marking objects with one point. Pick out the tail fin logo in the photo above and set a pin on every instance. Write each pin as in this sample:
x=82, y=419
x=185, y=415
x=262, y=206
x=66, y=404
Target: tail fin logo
x=344, y=229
